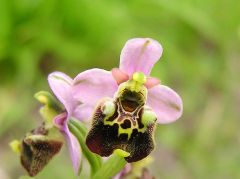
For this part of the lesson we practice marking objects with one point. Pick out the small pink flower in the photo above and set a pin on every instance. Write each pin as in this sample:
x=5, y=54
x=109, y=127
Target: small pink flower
x=62, y=87
x=138, y=55
x=80, y=95
x=126, y=121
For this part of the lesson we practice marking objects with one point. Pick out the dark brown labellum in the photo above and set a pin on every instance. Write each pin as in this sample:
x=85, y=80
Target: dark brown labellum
x=123, y=129
x=37, y=151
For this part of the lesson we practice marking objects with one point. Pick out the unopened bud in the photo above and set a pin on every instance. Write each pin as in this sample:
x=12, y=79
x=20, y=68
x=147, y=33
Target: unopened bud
x=15, y=146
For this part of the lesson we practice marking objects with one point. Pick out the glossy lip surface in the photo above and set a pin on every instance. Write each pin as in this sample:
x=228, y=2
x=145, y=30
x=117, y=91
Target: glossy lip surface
x=130, y=101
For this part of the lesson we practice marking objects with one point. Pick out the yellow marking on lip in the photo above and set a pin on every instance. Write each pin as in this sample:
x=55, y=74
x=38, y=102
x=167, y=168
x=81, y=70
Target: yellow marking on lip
x=127, y=131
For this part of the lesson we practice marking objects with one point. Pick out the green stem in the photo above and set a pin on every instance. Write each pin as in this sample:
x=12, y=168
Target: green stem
x=81, y=127
x=92, y=159
x=111, y=167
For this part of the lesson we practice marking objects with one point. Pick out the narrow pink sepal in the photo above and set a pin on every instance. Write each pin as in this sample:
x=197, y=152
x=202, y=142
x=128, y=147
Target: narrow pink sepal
x=72, y=143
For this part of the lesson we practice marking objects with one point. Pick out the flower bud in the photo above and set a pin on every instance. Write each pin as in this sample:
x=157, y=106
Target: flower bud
x=51, y=106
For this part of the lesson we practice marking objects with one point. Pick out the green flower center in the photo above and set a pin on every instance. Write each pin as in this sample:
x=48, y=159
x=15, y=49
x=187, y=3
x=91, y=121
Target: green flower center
x=139, y=77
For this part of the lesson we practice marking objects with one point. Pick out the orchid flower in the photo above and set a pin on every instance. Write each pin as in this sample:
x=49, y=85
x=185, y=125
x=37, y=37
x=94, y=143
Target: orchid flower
x=128, y=103
x=125, y=121
x=62, y=87
x=81, y=94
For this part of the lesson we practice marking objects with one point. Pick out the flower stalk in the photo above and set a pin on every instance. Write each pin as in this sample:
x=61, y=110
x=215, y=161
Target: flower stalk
x=111, y=167
x=79, y=131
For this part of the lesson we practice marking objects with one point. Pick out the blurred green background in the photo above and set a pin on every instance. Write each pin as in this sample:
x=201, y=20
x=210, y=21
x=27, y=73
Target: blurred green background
x=201, y=41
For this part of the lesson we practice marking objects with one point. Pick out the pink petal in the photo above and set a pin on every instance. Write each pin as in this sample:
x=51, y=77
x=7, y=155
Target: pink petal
x=74, y=150
x=83, y=112
x=72, y=143
x=61, y=84
x=139, y=55
x=151, y=82
x=123, y=172
x=92, y=85
x=166, y=103
x=60, y=121
x=119, y=75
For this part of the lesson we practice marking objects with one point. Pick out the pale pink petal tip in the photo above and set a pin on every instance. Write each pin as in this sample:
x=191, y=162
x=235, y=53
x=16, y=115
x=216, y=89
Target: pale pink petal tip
x=139, y=55
x=166, y=103
x=61, y=85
